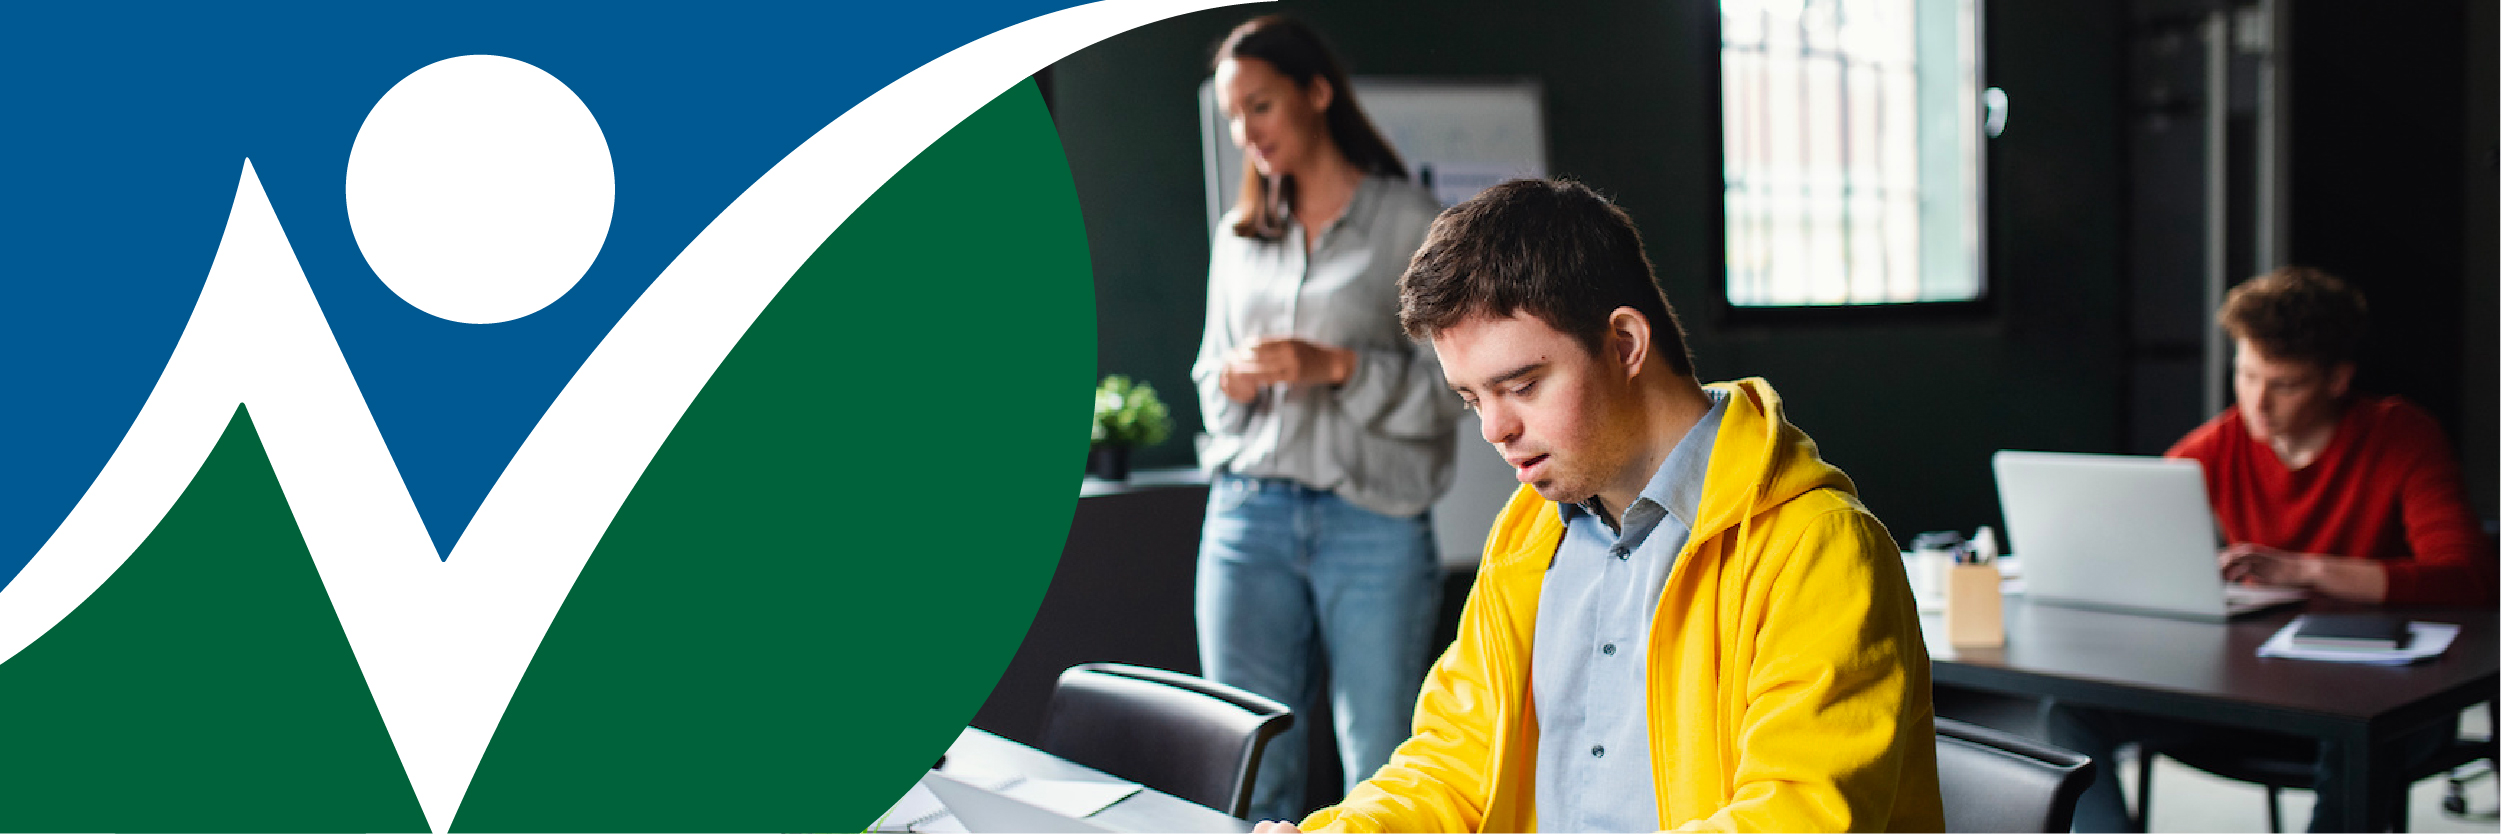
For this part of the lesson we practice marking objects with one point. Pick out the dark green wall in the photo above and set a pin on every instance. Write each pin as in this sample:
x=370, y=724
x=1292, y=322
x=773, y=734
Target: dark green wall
x=1912, y=408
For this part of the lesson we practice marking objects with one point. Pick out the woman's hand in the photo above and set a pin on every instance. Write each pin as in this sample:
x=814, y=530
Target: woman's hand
x=1275, y=827
x=1286, y=360
x=1240, y=388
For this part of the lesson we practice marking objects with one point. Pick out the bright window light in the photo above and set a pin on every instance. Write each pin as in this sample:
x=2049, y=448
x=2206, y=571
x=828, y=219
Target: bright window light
x=1852, y=134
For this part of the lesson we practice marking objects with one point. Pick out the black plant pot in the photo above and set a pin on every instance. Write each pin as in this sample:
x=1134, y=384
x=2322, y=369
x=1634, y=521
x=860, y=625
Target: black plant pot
x=1109, y=462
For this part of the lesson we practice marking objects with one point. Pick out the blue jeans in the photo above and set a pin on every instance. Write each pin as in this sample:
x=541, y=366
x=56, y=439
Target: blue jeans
x=1287, y=574
x=2099, y=733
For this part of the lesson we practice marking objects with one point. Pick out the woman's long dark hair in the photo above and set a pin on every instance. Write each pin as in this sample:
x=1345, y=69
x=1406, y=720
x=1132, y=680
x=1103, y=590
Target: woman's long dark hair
x=1298, y=53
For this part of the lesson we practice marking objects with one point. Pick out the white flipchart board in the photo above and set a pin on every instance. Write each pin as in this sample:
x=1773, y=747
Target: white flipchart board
x=1459, y=136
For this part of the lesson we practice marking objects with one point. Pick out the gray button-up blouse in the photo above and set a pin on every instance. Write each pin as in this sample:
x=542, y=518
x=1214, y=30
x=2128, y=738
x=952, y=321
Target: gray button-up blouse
x=1383, y=439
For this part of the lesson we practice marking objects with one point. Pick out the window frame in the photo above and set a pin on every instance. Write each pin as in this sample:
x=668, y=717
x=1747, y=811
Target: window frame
x=1728, y=313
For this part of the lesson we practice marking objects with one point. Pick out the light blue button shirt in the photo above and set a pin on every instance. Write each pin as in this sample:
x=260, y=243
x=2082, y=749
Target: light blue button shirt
x=1588, y=665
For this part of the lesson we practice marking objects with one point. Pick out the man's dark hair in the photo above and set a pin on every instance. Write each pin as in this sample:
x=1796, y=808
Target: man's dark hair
x=1550, y=248
x=2298, y=313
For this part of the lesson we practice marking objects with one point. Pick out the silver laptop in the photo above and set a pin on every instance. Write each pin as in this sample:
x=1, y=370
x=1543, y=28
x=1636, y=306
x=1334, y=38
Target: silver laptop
x=981, y=809
x=2121, y=533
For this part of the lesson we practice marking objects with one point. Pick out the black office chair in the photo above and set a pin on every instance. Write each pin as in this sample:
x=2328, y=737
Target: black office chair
x=2279, y=766
x=1184, y=735
x=1992, y=781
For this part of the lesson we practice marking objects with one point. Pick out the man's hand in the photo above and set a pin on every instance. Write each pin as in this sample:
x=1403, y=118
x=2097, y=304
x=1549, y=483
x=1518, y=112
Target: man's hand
x=1275, y=827
x=2356, y=580
x=1286, y=360
x=2258, y=564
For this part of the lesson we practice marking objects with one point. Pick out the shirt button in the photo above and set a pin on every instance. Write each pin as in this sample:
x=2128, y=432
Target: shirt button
x=1599, y=751
x=1608, y=649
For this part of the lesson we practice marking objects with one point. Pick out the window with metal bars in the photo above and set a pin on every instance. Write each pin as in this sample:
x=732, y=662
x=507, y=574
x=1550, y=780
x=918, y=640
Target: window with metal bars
x=1851, y=135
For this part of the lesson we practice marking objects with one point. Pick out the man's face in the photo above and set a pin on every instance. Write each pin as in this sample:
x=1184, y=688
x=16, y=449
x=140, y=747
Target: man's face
x=1547, y=405
x=2285, y=397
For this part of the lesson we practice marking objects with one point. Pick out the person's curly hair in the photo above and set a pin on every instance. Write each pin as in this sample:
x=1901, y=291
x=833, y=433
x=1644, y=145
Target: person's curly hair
x=2298, y=313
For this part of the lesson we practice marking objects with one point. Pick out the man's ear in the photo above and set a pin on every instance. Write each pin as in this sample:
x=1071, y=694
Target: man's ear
x=1628, y=340
x=2339, y=380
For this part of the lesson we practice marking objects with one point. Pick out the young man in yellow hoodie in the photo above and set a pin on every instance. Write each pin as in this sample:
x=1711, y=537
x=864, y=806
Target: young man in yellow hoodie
x=1684, y=619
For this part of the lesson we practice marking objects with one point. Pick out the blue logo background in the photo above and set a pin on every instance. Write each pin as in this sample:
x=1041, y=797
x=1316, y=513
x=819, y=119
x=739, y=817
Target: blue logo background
x=130, y=128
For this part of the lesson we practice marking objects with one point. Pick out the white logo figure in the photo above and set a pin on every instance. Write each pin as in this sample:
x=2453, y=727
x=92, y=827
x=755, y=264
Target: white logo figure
x=444, y=642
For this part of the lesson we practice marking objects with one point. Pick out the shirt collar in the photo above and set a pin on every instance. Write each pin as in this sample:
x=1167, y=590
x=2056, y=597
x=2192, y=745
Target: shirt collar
x=1357, y=211
x=1675, y=488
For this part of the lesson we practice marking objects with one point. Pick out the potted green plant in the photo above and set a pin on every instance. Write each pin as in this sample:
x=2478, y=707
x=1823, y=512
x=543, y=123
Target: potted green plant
x=1127, y=415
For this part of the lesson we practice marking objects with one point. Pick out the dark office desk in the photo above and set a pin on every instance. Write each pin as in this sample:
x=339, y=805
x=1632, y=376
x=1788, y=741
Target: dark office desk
x=2211, y=672
x=979, y=751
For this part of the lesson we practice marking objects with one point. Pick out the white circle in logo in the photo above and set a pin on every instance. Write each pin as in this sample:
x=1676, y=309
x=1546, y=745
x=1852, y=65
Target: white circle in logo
x=480, y=189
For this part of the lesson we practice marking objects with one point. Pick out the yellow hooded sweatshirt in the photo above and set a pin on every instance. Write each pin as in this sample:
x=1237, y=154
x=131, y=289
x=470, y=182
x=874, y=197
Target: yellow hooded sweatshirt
x=1788, y=684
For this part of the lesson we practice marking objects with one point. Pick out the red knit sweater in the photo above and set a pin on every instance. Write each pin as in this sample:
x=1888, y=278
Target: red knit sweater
x=2385, y=488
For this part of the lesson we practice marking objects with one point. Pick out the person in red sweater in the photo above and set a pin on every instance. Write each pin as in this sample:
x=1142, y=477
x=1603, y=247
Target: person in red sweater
x=2352, y=497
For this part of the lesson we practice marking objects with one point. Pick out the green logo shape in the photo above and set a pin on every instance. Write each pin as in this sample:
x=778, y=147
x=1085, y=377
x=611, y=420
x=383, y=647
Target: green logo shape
x=813, y=586
x=205, y=686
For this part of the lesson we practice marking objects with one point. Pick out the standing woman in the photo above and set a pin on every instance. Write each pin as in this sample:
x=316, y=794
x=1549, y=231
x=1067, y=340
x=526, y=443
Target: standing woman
x=1329, y=433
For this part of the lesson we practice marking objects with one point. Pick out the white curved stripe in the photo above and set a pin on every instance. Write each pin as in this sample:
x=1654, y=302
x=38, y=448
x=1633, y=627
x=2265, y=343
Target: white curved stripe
x=443, y=644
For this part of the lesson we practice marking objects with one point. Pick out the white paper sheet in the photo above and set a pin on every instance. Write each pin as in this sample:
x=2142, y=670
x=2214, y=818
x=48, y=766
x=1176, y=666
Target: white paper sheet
x=1069, y=799
x=920, y=811
x=2430, y=639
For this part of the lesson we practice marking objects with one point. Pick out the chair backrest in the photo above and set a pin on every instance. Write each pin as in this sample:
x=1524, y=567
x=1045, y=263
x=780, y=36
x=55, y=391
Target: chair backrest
x=1993, y=781
x=1184, y=735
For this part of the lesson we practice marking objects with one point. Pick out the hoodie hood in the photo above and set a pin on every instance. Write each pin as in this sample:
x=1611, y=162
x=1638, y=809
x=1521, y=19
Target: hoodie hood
x=1787, y=688
x=1759, y=462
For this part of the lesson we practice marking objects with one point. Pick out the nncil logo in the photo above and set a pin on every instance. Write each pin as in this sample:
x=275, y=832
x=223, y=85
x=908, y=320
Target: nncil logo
x=484, y=192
